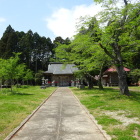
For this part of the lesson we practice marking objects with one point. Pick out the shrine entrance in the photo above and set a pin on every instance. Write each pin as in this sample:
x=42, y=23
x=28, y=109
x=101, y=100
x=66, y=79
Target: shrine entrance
x=64, y=81
x=59, y=74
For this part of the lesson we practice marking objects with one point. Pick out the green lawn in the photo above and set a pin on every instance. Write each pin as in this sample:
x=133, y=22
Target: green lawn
x=134, y=88
x=16, y=106
x=113, y=111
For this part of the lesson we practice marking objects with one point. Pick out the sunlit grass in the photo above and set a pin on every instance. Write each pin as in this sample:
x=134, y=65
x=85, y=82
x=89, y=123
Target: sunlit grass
x=134, y=88
x=16, y=106
x=101, y=102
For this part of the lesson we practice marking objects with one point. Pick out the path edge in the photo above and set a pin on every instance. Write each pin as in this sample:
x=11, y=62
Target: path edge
x=108, y=137
x=11, y=135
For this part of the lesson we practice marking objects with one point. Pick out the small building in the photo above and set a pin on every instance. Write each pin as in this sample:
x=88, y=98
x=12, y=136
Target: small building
x=110, y=76
x=60, y=74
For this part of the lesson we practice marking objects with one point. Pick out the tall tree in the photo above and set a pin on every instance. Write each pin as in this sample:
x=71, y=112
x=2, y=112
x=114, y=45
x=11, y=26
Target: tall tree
x=117, y=35
x=10, y=69
x=35, y=50
x=57, y=42
x=26, y=44
x=8, y=42
x=81, y=51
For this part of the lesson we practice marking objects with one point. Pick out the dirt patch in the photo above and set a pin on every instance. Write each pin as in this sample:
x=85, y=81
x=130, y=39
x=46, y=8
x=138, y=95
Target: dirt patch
x=120, y=115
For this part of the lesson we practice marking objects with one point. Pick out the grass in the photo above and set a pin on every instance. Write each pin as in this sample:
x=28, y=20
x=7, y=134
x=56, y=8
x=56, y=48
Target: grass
x=107, y=105
x=16, y=106
x=134, y=88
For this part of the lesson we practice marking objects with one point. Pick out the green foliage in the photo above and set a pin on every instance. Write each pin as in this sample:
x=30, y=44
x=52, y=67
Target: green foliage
x=83, y=51
x=28, y=75
x=38, y=77
x=135, y=74
x=113, y=38
x=35, y=50
x=10, y=69
x=8, y=42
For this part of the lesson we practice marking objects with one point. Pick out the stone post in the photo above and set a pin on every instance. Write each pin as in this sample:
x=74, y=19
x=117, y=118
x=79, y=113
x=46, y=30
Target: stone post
x=72, y=83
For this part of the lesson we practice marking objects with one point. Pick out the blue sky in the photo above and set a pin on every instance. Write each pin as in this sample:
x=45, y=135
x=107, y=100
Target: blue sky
x=49, y=18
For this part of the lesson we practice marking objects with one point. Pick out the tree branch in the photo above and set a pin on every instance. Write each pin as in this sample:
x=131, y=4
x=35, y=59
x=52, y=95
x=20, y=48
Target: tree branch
x=107, y=52
x=89, y=75
x=126, y=3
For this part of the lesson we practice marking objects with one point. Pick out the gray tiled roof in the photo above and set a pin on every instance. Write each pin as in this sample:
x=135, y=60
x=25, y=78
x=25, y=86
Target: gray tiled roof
x=61, y=69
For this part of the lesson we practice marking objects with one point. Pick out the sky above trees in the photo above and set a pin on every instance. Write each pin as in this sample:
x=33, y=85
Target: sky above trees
x=49, y=18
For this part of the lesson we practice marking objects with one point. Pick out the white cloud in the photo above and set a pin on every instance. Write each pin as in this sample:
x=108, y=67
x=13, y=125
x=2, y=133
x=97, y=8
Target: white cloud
x=63, y=21
x=2, y=19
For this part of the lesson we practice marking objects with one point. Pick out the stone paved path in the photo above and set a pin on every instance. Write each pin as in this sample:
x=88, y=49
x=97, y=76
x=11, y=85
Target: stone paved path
x=60, y=118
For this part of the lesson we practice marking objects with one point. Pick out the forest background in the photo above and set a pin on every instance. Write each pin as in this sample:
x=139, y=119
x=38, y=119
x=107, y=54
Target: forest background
x=110, y=38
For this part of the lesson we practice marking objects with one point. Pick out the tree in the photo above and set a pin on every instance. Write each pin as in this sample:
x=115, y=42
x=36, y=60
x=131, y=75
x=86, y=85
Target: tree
x=38, y=77
x=118, y=35
x=8, y=43
x=20, y=72
x=135, y=75
x=84, y=51
x=97, y=60
x=28, y=75
x=11, y=70
x=35, y=50
x=46, y=52
x=58, y=40
x=83, y=54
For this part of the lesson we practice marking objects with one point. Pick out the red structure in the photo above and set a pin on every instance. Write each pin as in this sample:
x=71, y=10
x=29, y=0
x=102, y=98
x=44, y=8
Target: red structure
x=110, y=77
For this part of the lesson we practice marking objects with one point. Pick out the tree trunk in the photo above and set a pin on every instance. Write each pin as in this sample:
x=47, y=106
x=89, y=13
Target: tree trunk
x=22, y=82
x=122, y=80
x=11, y=84
x=90, y=81
x=90, y=84
x=100, y=83
x=100, y=77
